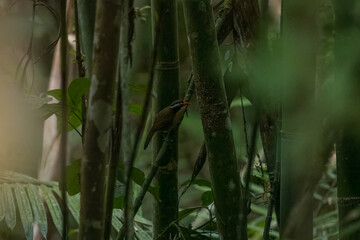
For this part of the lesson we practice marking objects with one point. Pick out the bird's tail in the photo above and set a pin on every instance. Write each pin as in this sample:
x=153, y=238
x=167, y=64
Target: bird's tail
x=148, y=138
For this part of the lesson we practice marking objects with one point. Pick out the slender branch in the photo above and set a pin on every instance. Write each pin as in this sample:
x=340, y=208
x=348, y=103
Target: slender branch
x=114, y=161
x=276, y=184
x=158, y=162
x=251, y=157
x=245, y=128
x=81, y=66
x=63, y=140
x=130, y=165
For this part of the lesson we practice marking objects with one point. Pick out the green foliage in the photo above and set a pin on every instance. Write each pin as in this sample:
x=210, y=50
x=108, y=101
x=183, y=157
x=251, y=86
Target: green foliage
x=138, y=177
x=77, y=88
x=199, y=182
x=207, y=198
x=37, y=208
x=73, y=177
x=30, y=197
x=25, y=210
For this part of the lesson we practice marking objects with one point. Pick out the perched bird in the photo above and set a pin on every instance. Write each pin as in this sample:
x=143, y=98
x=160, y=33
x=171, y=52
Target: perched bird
x=167, y=118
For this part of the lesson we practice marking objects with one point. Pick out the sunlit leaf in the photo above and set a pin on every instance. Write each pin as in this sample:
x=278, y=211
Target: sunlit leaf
x=10, y=209
x=25, y=211
x=37, y=208
x=53, y=207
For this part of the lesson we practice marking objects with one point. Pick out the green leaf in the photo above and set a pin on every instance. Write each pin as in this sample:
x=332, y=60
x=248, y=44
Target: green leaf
x=257, y=179
x=237, y=102
x=73, y=205
x=10, y=209
x=77, y=88
x=119, y=202
x=36, y=101
x=73, y=177
x=141, y=234
x=199, y=182
x=117, y=215
x=119, y=195
x=138, y=177
x=48, y=110
x=37, y=208
x=25, y=212
x=74, y=120
x=207, y=198
x=155, y=192
x=187, y=211
x=53, y=207
x=119, y=189
x=190, y=234
x=2, y=203
x=56, y=93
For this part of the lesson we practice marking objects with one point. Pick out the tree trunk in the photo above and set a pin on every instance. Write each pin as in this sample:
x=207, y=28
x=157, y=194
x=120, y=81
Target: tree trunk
x=126, y=37
x=99, y=119
x=167, y=88
x=215, y=116
x=347, y=52
x=87, y=9
x=297, y=155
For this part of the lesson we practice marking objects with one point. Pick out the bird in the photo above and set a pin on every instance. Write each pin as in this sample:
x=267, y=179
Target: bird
x=167, y=118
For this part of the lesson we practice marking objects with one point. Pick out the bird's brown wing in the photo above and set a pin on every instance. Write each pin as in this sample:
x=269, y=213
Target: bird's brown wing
x=179, y=115
x=162, y=122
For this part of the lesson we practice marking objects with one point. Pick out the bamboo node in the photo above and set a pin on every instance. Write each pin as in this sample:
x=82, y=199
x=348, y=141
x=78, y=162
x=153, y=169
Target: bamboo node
x=167, y=65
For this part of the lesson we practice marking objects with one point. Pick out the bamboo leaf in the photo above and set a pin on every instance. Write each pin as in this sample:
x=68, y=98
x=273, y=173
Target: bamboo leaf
x=117, y=215
x=38, y=208
x=2, y=203
x=25, y=212
x=53, y=207
x=74, y=206
x=10, y=210
x=141, y=234
x=73, y=202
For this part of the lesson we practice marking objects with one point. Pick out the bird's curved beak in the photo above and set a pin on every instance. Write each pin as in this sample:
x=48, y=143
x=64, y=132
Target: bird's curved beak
x=186, y=103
